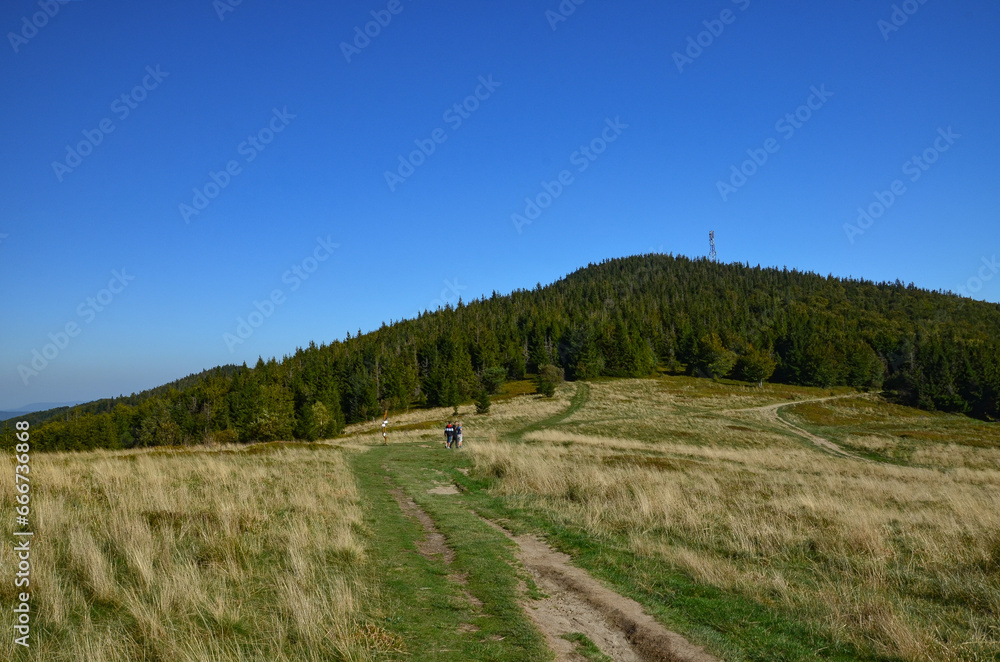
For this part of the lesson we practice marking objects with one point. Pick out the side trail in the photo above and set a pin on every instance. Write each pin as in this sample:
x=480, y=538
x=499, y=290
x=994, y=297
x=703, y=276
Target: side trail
x=771, y=414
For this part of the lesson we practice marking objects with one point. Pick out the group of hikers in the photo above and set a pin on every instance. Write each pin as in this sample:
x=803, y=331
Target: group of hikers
x=453, y=435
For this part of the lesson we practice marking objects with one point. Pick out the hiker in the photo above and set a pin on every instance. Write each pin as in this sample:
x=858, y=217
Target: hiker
x=458, y=434
x=449, y=433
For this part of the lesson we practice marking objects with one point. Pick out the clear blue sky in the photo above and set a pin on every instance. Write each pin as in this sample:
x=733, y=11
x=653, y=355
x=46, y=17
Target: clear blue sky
x=447, y=228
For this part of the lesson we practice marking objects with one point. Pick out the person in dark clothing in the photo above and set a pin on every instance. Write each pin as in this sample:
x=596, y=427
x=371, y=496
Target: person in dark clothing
x=449, y=433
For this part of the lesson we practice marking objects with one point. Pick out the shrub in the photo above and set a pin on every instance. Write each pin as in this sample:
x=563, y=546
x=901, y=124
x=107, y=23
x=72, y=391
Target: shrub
x=549, y=376
x=483, y=402
x=492, y=380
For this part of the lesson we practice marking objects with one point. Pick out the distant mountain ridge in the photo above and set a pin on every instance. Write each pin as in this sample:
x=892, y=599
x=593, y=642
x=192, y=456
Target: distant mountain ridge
x=36, y=407
x=625, y=317
x=41, y=406
x=37, y=414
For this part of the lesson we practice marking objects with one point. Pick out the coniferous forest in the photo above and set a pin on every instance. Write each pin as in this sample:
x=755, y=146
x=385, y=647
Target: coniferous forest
x=625, y=317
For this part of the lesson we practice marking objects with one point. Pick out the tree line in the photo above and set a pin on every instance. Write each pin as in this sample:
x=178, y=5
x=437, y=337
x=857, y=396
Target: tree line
x=624, y=317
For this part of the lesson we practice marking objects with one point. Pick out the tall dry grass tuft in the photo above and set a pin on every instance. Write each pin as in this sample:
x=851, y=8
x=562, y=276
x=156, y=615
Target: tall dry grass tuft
x=195, y=556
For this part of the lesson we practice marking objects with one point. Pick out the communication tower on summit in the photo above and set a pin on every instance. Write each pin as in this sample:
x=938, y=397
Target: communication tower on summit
x=712, y=255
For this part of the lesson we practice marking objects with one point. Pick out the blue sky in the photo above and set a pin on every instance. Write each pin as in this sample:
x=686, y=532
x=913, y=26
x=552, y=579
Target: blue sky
x=96, y=239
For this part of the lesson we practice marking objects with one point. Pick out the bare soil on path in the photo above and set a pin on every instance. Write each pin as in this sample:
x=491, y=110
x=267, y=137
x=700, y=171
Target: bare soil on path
x=577, y=602
x=434, y=543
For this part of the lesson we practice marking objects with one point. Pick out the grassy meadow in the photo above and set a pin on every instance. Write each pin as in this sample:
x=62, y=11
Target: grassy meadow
x=684, y=494
x=251, y=553
x=902, y=560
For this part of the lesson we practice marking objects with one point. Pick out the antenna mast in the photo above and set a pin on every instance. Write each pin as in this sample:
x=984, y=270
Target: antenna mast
x=712, y=255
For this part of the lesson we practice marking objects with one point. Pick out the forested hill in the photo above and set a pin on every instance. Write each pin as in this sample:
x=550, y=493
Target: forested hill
x=623, y=317
x=108, y=404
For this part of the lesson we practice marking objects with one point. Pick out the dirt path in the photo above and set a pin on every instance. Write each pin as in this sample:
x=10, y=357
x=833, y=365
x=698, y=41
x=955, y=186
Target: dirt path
x=577, y=602
x=771, y=414
x=434, y=544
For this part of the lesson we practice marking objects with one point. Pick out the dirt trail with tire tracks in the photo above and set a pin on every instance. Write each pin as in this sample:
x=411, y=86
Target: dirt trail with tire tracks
x=577, y=602
x=433, y=543
x=770, y=413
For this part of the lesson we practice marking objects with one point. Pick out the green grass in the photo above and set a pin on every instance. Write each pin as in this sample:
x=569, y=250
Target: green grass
x=580, y=398
x=587, y=648
x=694, y=389
x=408, y=607
x=516, y=388
x=905, y=588
x=424, y=606
x=732, y=626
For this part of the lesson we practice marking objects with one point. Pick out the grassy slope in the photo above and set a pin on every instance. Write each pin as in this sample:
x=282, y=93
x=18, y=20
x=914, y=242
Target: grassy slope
x=892, y=433
x=251, y=554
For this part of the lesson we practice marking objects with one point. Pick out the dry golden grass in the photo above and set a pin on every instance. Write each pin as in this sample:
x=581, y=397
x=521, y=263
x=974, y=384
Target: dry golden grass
x=505, y=414
x=243, y=554
x=904, y=560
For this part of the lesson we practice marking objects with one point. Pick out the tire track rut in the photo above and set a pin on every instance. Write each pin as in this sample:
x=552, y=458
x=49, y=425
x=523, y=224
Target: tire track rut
x=772, y=415
x=577, y=602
